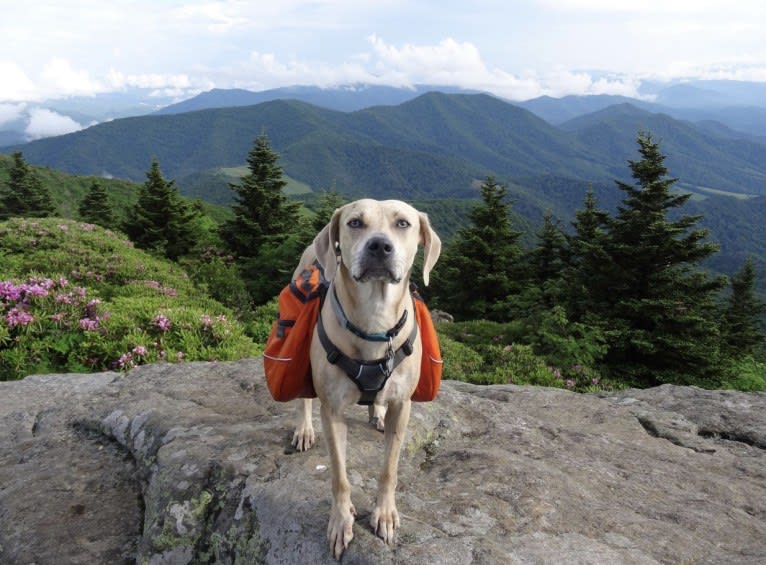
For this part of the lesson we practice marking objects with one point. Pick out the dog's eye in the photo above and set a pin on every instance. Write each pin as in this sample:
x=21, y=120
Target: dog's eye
x=401, y=223
x=354, y=223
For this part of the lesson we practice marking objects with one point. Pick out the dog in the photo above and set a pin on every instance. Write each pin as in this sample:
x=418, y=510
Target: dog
x=367, y=251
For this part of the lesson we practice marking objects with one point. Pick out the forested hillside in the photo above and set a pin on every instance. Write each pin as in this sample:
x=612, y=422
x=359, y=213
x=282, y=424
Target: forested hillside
x=622, y=297
x=432, y=146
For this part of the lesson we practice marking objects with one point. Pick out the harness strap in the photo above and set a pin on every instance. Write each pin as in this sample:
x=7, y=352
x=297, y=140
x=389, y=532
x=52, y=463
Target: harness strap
x=369, y=376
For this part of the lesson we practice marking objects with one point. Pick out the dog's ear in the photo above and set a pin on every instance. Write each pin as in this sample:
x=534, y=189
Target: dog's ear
x=326, y=246
x=432, y=246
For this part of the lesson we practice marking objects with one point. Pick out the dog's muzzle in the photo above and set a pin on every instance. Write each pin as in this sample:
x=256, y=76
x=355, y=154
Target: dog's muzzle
x=378, y=261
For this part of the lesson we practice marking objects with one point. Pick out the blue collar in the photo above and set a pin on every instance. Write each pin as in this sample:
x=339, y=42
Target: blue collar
x=359, y=332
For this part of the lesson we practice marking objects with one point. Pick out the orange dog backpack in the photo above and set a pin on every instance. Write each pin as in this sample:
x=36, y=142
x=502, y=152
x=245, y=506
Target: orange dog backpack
x=286, y=359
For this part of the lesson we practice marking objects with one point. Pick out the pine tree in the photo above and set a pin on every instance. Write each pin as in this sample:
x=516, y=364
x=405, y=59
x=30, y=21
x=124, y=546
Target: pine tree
x=741, y=328
x=262, y=213
x=659, y=307
x=476, y=274
x=329, y=201
x=588, y=273
x=25, y=195
x=160, y=220
x=95, y=209
x=548, y=260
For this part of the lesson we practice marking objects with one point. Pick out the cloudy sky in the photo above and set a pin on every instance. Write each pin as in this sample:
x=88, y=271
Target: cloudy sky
x=517, y=49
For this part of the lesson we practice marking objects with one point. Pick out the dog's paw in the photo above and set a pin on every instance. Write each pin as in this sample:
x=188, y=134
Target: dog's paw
x=340, y=529
x=384, y=521
x=377, y=413
x=304, y=438
x=378, y=423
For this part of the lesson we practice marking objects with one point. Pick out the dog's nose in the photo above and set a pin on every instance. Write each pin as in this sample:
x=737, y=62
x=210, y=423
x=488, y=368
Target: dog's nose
x=379, y=247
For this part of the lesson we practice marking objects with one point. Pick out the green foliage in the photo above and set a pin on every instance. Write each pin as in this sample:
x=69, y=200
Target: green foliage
x=24, y=194
x=486, y=251
x=263, y=216
x=565, y=343
x=76, y=297
x=486, y=352
x=218, y=276
x=95, y=207
x=329, y=201
x=460, y=360
x=267, y=234
x=745, y=373
x=160, y=221
x=741, y=326
x=658, y=308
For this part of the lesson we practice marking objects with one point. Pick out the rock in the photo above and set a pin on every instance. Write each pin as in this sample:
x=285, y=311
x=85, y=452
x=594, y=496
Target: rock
x=191, y=463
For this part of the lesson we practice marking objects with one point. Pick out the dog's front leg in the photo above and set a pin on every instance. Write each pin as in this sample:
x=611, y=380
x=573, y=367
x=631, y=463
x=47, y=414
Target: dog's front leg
x=303, y=437
x=385, y=517
x=340, y=528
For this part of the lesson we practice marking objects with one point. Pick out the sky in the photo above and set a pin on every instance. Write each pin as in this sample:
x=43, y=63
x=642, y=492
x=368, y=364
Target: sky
x=517, y=49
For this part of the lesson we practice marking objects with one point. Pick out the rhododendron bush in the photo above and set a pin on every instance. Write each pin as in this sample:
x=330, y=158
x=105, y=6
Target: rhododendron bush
x=76, y=297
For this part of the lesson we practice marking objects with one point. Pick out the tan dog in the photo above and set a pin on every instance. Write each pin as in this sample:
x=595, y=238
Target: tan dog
x=367, y=251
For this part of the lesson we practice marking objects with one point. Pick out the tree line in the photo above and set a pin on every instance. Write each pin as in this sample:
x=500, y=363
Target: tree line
x=626, y=294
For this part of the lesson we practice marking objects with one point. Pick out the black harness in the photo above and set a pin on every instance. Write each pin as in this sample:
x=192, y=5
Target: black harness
x=369, y=376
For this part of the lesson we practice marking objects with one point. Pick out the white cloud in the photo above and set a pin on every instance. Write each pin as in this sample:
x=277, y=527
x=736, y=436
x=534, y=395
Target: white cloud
x=120, y=81
x=46, y=123
x=61, y=79
x=11, y=112
x=15, y=84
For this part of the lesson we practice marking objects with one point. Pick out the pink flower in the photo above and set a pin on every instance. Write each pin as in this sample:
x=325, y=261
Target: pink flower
x=180, y=355
x=18, y=317
x=162, y=322
x=9, y=291
x=125, y=361
x=139, y=350
x=206, y=321
x=34, y=289
x=57, y=317
x=570, y=383
x=89, y=325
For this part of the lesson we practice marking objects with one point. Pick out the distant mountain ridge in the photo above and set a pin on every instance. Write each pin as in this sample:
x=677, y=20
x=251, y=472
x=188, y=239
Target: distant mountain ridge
x=431, y=146
x=346, y=98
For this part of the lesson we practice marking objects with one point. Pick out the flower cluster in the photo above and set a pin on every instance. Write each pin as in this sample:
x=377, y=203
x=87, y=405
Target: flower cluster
x=161, y=322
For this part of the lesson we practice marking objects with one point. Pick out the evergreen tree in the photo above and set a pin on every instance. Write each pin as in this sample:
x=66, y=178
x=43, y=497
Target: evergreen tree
x=588, y=273
x=659, y=308
x=741, y=326
x=262, y=213
x=160, y=220
x=95, y=209
x=267, y=234
x=25, y=195
x=476, y=274
x=548, y=260
x=329, y=202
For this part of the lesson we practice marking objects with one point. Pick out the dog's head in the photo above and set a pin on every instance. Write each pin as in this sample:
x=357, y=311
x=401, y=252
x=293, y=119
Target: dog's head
x=377, y=241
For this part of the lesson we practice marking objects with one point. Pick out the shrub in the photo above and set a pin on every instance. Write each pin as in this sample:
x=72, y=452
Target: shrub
x=748, y=374
x=460, y=361
x=76, y=297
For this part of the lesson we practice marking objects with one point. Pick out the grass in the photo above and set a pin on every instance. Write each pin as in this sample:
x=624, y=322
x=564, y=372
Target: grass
x=77, y=297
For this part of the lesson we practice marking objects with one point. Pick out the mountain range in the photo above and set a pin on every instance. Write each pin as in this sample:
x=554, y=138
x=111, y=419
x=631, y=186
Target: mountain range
x=432, y=146
x=436, y=146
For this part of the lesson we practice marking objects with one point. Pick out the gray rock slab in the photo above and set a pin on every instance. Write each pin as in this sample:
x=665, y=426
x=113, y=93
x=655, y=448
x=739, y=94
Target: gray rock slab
x=191, y=463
